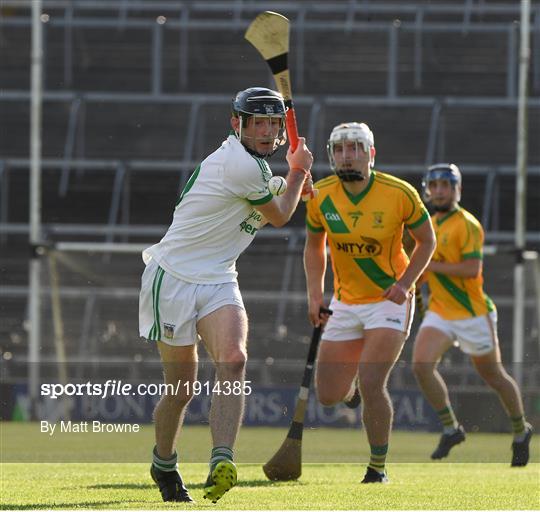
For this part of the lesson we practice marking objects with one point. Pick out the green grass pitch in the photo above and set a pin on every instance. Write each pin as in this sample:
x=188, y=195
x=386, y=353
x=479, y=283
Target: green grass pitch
x=477, y=475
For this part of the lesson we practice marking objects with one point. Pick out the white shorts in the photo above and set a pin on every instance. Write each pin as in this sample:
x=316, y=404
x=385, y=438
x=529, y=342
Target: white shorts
x=349, y=321
x=169, y=308
x=475, y=336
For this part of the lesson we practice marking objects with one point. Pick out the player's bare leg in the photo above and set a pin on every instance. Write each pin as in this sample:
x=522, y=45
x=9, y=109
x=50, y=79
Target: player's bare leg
x=381, y=350
x=179, y=365
x=336, y=370
x=429, y=347
x=491, y=369
x=224, y=333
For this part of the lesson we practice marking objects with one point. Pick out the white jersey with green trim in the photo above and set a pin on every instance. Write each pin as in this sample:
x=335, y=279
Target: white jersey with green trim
x=215, y=218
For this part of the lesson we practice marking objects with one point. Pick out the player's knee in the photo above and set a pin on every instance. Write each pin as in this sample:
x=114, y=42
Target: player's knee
x=327, y=397
x=371, y=385
x=234, y=360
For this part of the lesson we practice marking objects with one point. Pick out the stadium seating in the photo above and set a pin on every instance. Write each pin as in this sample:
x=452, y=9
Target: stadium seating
x=146, y=112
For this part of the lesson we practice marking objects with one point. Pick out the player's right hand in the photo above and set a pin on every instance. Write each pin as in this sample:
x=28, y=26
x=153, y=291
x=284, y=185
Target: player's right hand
x=301, y=158
x=396, y=293
x=316, y=317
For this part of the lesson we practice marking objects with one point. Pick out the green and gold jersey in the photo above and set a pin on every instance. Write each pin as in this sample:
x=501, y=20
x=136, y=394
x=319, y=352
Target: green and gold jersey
x=459, y=237
x=365, y=233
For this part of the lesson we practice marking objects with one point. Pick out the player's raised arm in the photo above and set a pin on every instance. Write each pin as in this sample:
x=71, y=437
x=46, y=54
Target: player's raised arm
x=280, y=209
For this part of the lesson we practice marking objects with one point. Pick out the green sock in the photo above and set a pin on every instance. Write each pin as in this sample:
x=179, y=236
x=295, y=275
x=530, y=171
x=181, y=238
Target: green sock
x=518, y=427
x=170, y=464
x=378, y=457
x=448, y=419
x=220, y=453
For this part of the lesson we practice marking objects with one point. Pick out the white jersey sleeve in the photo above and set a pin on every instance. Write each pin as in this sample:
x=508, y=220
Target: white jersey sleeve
x=215, y=218
x=248, y=178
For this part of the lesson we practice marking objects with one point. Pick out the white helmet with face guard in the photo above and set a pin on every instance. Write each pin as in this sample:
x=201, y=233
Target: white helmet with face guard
x=359, y=133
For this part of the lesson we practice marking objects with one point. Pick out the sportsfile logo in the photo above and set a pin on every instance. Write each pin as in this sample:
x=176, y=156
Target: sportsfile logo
x=119, y=388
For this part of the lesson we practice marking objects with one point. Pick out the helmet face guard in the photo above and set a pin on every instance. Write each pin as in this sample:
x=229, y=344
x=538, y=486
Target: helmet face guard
x=358, y=133
x=448, y=172
x=263, y=103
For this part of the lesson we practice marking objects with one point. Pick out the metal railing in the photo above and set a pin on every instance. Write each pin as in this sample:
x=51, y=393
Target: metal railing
x=464, y=9
x=179, y=20
x=419, y=26
x=318, y=105
x=118, y=219
x=283, y=297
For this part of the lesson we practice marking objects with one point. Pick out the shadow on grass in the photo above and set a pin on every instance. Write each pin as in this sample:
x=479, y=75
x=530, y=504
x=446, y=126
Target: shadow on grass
x=250, y=483
x=112, y=503
x=64, y=506
x=242, y=483
x=122, y=486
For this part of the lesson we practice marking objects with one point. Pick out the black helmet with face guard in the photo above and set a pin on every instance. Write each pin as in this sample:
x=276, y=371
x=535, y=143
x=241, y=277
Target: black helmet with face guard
x=260, y=102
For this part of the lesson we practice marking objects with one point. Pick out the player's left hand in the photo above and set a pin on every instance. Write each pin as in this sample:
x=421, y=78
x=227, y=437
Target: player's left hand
x=396, y=293
x=307, y=189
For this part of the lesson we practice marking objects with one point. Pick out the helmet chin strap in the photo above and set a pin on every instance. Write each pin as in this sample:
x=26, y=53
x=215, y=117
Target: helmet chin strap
x=444, y=208
x=350, y=176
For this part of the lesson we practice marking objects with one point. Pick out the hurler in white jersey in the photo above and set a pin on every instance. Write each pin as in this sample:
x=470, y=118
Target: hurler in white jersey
x=189, y=289
x=215, y=218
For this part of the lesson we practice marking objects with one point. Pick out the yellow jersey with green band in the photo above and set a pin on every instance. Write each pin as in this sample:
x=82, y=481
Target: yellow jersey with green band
x=459, y=237
x=364, y=233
